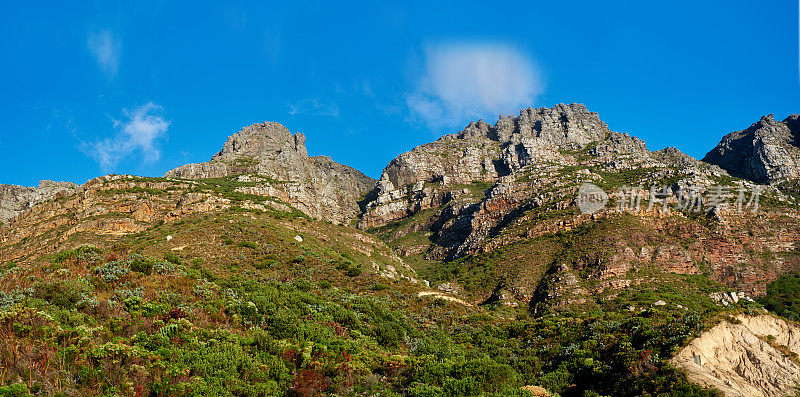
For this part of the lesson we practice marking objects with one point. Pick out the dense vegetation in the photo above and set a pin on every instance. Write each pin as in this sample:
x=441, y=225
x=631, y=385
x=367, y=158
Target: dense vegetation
x=241, y=307
x=783, y=296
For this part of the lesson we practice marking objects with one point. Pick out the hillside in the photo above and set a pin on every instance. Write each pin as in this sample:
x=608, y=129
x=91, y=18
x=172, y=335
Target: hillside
x=472, y=267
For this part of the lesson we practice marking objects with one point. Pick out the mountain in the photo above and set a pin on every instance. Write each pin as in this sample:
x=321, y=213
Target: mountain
x=766, y=152
x=511, y=185
x=317, y=186
x=541, y=254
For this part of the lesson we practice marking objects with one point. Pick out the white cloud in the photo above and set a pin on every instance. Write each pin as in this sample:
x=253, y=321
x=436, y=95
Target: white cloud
x=138, y=133
x=461, y=82
x=314, y=107
x=105, y=49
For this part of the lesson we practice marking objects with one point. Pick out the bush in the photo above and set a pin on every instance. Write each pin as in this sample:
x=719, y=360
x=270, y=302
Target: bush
x=139, y=264
x=173, y=258
x=266, y=264
x=164, y=267
x=247, y=244
x=81, y=253
x=783, y=296
x=354, y=272
x=15, y=390
x=324, y=284
x=388, y=334
x=65, y=293
x=112, y=271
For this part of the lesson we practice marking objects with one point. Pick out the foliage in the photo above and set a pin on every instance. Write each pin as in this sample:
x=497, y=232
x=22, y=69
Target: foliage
x=783, y=296
x=112, y=271
x=245, y=309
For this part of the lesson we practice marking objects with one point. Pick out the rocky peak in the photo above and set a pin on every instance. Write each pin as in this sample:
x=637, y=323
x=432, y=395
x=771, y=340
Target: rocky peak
x=317, y=186
x=263, y=139
x=561, y=125
x=766, y=152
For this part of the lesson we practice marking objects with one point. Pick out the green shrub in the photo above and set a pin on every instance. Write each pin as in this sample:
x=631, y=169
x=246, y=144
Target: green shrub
x=173, y=258
x=112, y=271
x=63, y=293
x=354, y=271
x=81, y=253
x=15, y=390
x=164, y=267
x=783, y=296
x=138, y=263
x=248, y=244
x=388, y=334
x=324, y=284
x=266, y=264
x=282, y=324
x=302, y=284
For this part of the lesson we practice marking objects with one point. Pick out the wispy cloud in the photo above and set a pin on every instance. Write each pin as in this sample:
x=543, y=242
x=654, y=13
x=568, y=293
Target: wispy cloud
x=314, y=107
x=105, y=48
x=465, y=81
x=138, y=133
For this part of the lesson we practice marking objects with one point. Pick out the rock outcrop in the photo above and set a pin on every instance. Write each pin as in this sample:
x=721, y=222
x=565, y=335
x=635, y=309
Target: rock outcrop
x=750, y=359
x=490, y=174
x=16, y=199
x=480, y=152
x=317, y=186
x=767, y=152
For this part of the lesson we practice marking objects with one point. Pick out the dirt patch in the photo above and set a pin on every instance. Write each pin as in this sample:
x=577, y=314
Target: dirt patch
x=749, y=359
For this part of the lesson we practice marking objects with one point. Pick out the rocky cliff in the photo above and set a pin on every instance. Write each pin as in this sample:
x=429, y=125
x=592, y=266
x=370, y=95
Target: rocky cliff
x=766, y=152
x=16, y=199
x=563, y=135
x=495, y=172
x=317, y=186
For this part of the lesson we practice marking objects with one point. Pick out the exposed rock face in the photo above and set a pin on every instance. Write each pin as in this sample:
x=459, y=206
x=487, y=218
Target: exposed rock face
x=740, y=361
x=16, y=199
x=767, y=152
x=481, y=152
x=317, y=186
x=490, y=174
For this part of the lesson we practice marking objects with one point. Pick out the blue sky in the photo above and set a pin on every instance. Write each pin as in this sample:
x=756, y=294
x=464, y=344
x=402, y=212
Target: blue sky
x=142, y=87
